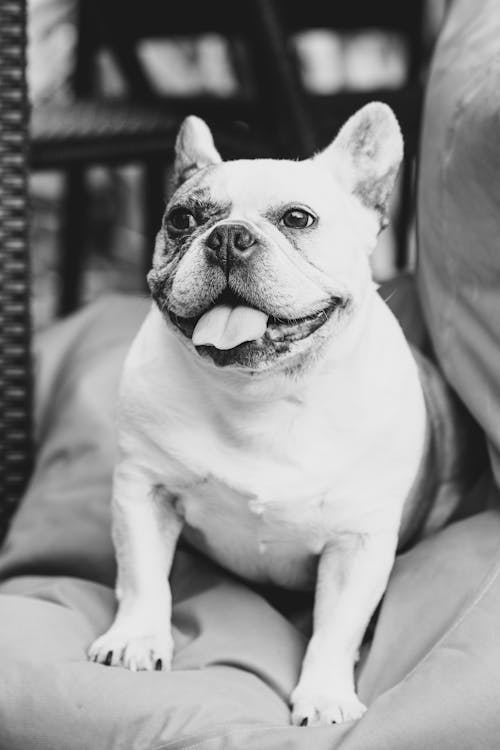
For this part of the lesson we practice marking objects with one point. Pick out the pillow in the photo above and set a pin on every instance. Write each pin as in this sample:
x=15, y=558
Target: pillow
x=459, y=210
x=63, y=523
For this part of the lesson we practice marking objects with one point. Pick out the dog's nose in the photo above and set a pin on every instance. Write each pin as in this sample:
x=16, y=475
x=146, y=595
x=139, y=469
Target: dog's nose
x=229, y=242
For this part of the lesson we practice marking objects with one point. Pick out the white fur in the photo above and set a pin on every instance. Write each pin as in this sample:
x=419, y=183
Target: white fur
x=270, y=473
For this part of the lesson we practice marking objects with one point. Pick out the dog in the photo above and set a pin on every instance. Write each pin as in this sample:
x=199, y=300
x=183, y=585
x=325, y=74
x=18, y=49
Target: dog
x=270, y=408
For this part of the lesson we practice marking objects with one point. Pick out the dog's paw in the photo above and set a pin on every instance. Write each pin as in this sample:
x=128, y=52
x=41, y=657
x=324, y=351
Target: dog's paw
x=319, y=706
x=135, y=651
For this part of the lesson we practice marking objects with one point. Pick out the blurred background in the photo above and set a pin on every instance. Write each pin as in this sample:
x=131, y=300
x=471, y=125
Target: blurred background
x=111, y=80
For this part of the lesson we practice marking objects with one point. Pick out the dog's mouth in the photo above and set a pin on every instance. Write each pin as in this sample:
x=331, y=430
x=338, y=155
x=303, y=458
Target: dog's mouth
x=231, y=324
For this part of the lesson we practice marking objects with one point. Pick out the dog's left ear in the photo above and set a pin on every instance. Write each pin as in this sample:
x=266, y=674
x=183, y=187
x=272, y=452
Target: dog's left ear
x=194, y=149
x=366, y=155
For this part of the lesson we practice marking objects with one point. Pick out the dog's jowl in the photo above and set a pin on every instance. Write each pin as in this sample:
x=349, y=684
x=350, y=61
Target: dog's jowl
x=270, y=408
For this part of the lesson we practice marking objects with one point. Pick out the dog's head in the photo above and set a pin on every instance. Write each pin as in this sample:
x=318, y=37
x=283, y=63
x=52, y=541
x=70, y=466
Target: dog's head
x=259, y=263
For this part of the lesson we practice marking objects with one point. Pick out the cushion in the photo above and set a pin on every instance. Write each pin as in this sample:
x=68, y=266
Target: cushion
x=459, y=210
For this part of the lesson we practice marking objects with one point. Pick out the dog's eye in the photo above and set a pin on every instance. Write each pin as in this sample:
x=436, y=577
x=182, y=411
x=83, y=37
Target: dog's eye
x=181, y=219
x=297, y=218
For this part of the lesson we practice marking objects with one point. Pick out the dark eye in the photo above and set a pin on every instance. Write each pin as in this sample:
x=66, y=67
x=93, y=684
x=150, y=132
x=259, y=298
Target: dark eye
x=181, y=219
x=297, y=218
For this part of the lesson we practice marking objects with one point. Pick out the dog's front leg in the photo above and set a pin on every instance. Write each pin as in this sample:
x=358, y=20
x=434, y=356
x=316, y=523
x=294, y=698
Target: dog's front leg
x=352, y=575
x=146, y=528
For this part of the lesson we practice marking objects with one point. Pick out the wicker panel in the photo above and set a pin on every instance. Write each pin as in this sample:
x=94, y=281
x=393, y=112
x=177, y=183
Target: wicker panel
x=15, y=385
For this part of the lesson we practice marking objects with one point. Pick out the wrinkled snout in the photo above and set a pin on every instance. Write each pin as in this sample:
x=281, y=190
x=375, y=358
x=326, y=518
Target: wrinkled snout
x=228, y=244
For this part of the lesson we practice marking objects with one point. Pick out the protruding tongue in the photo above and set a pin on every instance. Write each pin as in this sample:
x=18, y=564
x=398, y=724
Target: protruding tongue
x=225, y=327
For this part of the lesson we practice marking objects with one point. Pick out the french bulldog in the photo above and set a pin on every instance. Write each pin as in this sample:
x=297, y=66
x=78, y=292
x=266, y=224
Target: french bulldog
x=270, y=408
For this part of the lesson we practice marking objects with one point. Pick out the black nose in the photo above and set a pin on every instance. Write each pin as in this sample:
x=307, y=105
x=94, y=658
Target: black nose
x=228, y=243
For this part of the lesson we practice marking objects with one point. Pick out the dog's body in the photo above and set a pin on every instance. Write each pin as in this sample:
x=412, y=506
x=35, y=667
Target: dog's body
x=282, y=443
x=265, y=474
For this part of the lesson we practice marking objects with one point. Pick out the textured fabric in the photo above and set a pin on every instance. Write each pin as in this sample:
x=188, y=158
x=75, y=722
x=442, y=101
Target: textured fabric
x=459, y=210
x=429, y=677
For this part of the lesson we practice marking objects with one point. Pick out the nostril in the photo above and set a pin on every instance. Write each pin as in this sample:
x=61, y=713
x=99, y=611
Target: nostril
x=215, y=239
x=243, y=239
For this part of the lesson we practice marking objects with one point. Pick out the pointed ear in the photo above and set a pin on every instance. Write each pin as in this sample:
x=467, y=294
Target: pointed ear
x=366, y=155
x=194, y=149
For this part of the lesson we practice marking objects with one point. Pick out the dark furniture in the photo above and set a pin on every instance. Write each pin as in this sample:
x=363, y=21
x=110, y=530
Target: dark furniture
x=270, y=115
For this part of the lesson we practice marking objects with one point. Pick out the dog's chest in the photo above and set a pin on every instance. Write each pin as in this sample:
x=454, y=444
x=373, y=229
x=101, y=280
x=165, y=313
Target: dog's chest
x=266, y=511
x=263, y=503
x=267, y=539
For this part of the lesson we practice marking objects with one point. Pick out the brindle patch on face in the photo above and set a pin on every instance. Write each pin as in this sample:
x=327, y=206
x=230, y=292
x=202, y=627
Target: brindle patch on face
x=207, y=212
x=204, y=207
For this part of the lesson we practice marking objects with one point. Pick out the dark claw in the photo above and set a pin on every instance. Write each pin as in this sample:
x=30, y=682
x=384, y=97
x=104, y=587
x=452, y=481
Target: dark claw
x=108, y=659
x=304, y=722
x=158, y=665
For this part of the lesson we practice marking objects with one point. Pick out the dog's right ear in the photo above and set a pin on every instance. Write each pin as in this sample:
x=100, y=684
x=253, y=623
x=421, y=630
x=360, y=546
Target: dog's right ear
x=194, y=149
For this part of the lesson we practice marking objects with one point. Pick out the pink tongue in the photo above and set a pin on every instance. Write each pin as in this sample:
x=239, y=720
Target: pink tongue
x=225, y=327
